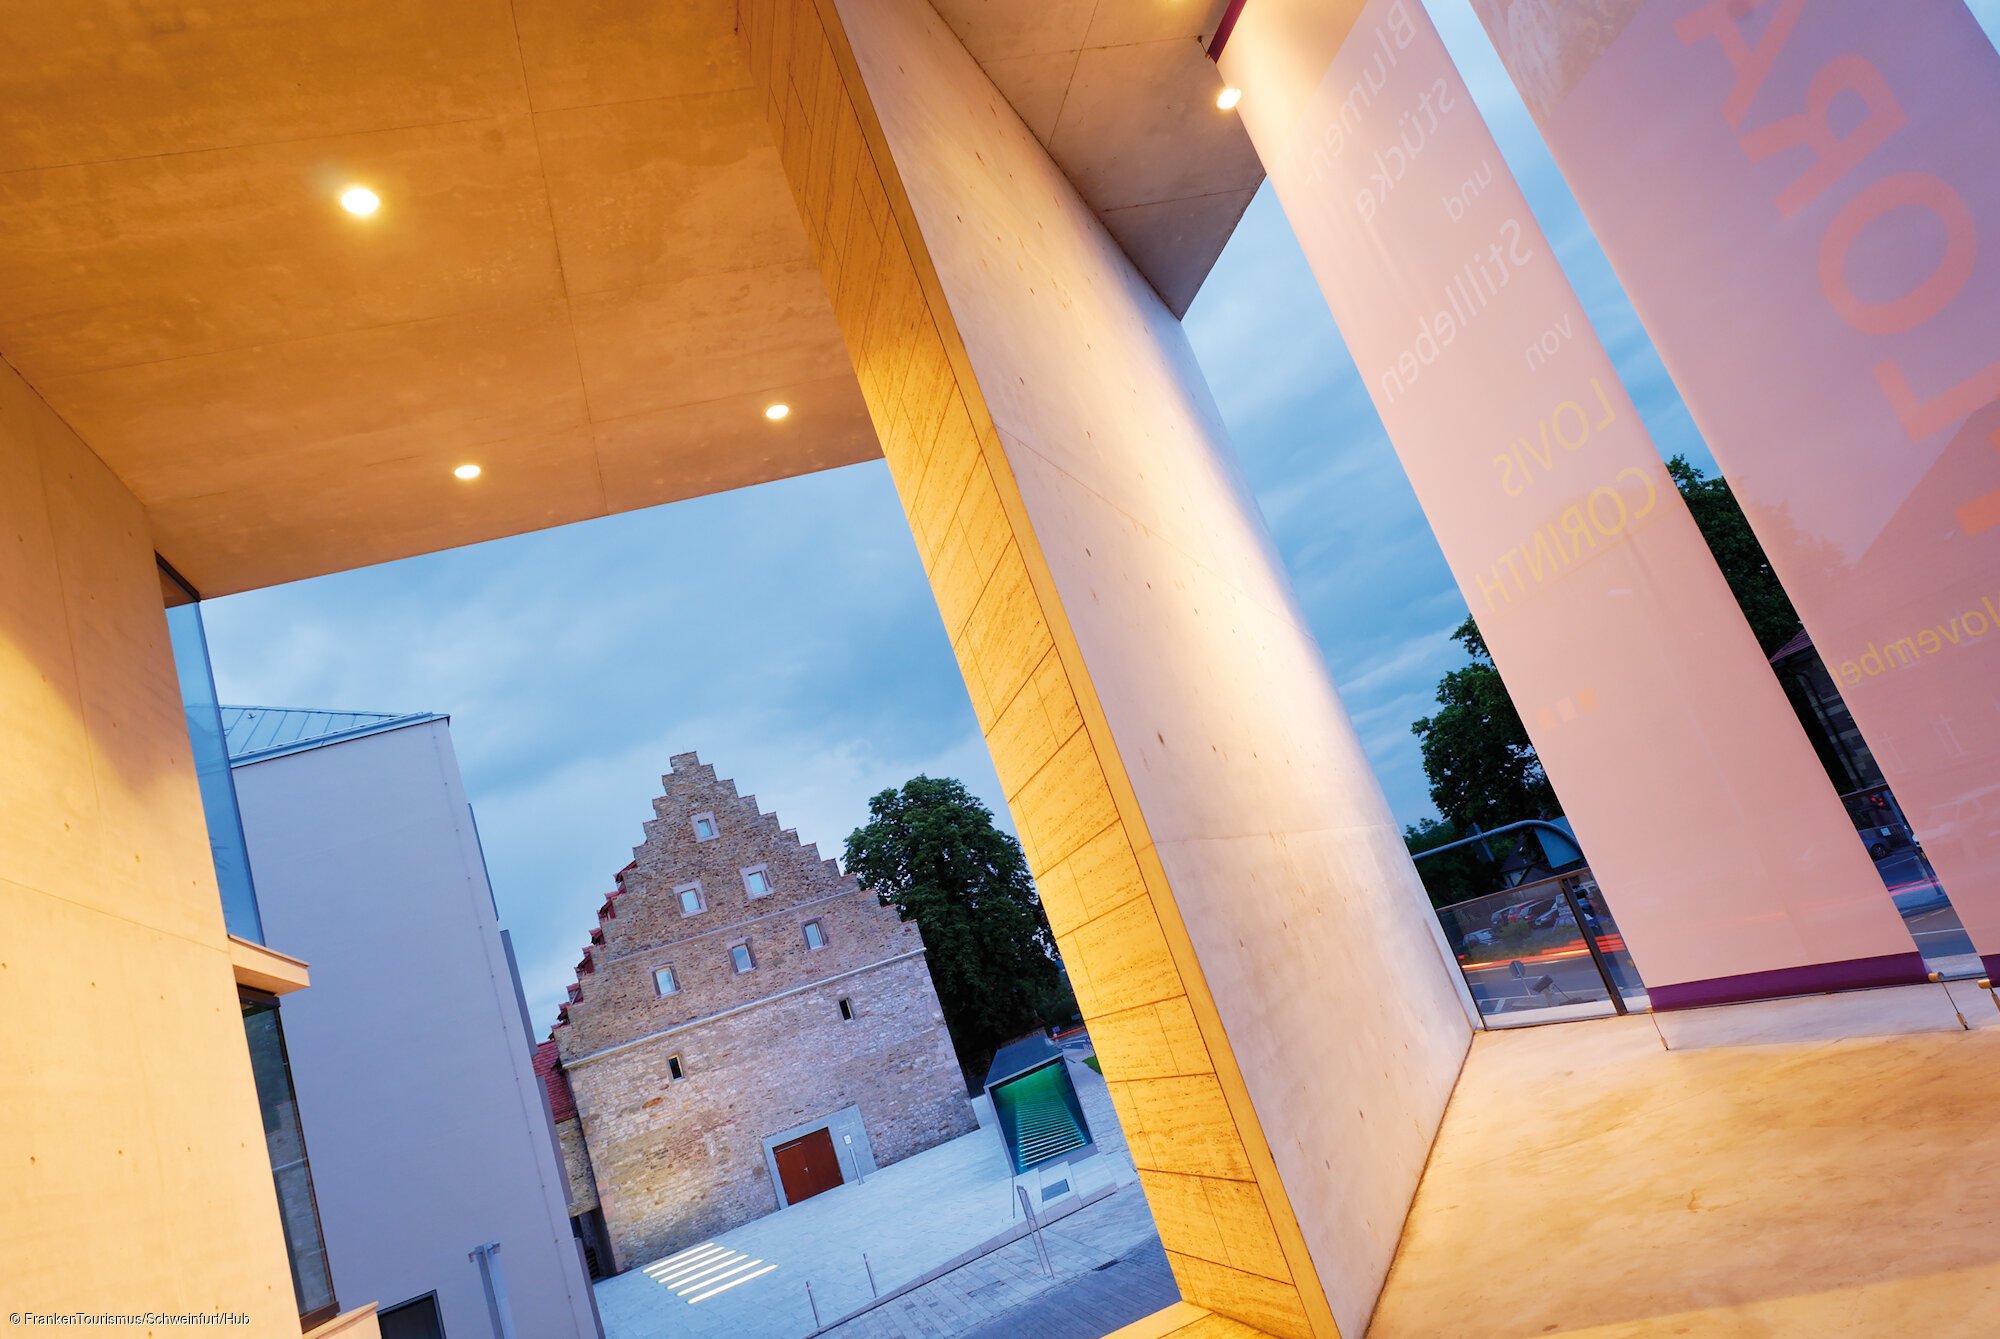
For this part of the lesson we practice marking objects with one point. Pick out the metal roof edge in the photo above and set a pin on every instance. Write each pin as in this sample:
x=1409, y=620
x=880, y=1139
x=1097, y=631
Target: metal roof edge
x=337, y=737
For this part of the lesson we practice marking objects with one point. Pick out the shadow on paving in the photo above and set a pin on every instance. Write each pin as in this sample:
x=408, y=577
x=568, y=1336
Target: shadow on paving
x=1109, y=1271
x=902, y=1222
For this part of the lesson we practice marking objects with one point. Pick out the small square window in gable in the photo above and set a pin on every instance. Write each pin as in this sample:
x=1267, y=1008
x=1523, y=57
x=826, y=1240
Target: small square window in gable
x=692, y=901
x=704, y=827
x=665, y=982
x=740, y=957
x=757, y=880
x=815, y=935
x=674, y=1070
x=847, y=1009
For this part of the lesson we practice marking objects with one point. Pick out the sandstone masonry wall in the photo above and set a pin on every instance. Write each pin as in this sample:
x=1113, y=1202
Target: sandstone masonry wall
x=577, y=1174
x=761, y=1051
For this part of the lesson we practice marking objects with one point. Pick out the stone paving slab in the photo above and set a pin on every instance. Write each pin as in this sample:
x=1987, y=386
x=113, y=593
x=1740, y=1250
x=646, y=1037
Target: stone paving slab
x=910, y=1219
x=1109, y=1271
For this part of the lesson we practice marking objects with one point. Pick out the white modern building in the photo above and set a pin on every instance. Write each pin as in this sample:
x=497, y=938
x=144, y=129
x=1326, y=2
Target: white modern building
x=439, y=1186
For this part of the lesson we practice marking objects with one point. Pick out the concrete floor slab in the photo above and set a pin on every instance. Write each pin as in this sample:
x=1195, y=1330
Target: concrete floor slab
x=1810, y=1018
x=1979, y=1008
x=1588, y=1181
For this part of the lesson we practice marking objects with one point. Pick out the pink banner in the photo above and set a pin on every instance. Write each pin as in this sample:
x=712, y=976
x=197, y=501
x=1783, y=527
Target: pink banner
x=1795, y=196
x=1727, y=859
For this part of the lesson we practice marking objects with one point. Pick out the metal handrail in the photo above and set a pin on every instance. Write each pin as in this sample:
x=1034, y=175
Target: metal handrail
x=1562, y=832
x=1562, y=881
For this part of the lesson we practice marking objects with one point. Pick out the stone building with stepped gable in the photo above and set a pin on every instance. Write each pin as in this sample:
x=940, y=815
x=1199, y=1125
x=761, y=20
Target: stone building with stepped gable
x=748, y=1027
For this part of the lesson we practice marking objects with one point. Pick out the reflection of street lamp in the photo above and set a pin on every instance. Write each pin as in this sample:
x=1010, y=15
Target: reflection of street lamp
x=1543, y=984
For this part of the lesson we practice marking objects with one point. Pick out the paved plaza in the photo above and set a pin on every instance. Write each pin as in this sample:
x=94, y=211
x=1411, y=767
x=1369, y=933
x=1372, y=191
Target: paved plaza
x=1108, y=1271
x=1718, y=1161
x=910, y=1221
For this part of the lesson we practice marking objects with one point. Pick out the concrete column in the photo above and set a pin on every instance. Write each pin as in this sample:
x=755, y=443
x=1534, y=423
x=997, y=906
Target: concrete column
x=1245, y=931
x=134, y=1169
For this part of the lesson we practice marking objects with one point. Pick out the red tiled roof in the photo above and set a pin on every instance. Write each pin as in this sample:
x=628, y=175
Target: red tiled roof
x=548, y=1068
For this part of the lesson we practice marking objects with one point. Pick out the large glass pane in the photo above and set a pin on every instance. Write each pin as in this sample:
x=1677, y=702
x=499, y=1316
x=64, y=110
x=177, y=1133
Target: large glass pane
x=1544, y=946
x=1524, y=957
x=211, y=761
x=417, y=1319
x=1909, y=878
x=312, y=1278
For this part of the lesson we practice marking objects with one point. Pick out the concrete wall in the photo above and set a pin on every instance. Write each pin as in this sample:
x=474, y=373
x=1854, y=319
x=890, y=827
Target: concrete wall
x=426, y=1124
x=135, y=1175
x=1246, y=934
x=852, y=1151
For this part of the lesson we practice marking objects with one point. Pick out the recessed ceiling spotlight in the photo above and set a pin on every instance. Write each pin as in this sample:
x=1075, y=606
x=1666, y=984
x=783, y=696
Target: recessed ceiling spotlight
x=1228, y=98
x=777, y=411
x=467, y=471
x=360, y=200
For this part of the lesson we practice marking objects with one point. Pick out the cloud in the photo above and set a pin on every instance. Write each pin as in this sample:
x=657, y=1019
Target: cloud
x=785, y=632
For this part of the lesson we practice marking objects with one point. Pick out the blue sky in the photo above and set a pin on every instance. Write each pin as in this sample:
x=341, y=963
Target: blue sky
x=786, y=632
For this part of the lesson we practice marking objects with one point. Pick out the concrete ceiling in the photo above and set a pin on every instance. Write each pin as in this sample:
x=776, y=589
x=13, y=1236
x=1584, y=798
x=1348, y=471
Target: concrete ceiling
x=587, y=274
x=1122, y=95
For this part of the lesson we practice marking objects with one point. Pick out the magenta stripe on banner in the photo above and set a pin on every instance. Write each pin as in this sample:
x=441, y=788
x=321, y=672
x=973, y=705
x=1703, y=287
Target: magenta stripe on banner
x=1891, y=969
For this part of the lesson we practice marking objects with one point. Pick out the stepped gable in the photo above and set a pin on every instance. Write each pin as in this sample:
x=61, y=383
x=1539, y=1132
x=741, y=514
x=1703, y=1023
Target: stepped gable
x=643, y=923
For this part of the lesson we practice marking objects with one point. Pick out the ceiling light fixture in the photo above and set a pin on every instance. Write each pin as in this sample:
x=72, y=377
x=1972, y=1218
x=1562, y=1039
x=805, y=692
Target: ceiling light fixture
x=359, y=200
x=777, y=411
x=467, y=471
x=1228, y=98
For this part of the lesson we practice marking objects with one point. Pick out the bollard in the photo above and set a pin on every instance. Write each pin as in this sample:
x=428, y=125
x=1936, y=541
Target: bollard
x=1035, y=1231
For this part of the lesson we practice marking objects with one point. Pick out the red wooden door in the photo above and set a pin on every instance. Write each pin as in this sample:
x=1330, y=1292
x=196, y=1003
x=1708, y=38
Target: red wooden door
x=807, y=1166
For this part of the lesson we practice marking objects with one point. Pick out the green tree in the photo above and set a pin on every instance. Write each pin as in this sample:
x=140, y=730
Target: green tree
x=1737, y=552
x=1453, y=876
x=1482, y=768
x=931, y=851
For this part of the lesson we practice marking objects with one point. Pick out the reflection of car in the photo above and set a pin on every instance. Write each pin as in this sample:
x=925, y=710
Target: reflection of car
x=1479, y=939
x=1926, y=896
x=1877, y=822
x=1535, y=913
x=1881, y=841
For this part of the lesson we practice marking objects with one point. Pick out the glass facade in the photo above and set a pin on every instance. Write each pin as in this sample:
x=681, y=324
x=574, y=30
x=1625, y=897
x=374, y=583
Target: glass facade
x=1542, y=948
x=312, y=1276
x=211, y=759
x=284, y=1137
